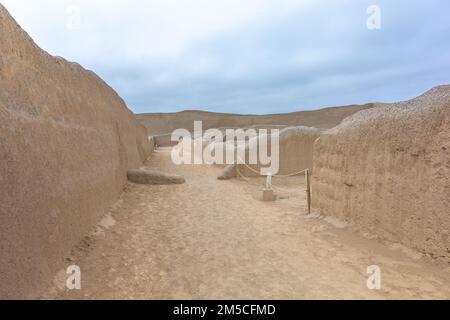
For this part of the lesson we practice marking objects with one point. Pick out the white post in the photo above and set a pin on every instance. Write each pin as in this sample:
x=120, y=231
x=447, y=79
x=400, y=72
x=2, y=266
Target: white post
x=268, y=194
x=269, y=182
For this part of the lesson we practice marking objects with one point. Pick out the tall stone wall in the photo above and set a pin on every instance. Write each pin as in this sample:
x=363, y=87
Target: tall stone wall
x=66, y=142
x=387, y=170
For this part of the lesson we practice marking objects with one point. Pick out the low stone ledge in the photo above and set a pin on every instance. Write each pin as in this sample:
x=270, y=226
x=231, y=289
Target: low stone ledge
x=228, y=173
x=152, y=177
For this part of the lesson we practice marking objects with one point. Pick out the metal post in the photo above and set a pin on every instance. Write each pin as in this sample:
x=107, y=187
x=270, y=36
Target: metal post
x=308, y=190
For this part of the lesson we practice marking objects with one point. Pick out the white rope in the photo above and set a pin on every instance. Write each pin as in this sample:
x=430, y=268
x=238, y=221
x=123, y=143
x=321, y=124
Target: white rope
x=274, y=186
x=276, y=175
x=292, y=174
x=279, y=189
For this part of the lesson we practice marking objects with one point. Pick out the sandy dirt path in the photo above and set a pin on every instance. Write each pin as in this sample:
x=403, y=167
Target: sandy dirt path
x=210, y=239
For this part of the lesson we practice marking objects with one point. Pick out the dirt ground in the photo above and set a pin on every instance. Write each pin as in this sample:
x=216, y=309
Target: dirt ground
x=211, y=239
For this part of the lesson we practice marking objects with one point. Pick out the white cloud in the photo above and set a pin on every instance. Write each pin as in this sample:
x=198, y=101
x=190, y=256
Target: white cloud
x=136, y=29
x=247, y=55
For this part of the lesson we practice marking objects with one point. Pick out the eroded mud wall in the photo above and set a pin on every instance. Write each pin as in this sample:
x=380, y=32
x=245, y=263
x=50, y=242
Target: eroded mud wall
x=295, y=153
x=67, y=140
x=387, y=170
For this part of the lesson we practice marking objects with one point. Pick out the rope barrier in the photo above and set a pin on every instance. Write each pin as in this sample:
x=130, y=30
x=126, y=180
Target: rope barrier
x=306, y=171
x=274, y=186
x=276, y=175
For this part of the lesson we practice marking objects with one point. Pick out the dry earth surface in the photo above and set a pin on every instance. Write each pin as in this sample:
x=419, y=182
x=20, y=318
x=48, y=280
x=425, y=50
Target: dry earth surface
x=211, y=239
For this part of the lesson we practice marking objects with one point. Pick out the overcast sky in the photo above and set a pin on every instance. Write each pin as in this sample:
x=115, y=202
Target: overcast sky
x=252, y=56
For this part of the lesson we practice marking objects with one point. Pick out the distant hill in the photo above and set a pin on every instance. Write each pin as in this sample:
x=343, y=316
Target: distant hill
x=161, y=123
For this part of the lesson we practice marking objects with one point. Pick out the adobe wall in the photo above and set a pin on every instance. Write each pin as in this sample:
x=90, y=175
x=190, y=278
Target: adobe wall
x=296, y=145
x=387, y=171
x=67, y=140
